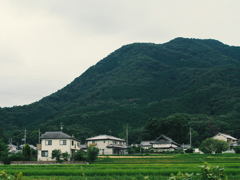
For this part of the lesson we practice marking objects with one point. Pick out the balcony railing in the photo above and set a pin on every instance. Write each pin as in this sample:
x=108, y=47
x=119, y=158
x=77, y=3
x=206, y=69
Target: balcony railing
x=92, y=144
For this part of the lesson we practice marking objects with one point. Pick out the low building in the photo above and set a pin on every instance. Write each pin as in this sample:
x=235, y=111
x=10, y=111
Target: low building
x=12, y=148
x=227, y=138
x=162, y=143
x=51, y=141
x=146, y=144
x=108, y=144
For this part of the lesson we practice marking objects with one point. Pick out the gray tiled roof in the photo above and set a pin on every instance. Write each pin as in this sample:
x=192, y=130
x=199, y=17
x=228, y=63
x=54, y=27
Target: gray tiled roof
x=56, y=135
x=160, y=140
x=104, y=137
x=145, y=143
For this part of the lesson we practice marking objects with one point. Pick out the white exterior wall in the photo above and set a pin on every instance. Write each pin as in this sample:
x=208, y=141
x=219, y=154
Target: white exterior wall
x=163, y=145
x=56, y=145
x=219, y=137
x=102, y=145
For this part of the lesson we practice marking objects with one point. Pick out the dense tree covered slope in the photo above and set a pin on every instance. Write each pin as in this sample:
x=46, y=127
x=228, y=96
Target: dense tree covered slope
x=200, y=78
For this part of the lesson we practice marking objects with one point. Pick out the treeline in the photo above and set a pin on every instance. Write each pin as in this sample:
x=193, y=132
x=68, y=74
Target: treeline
x=177, y=127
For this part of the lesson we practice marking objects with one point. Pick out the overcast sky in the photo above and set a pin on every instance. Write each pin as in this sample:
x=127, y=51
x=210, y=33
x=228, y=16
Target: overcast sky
x=46, y=44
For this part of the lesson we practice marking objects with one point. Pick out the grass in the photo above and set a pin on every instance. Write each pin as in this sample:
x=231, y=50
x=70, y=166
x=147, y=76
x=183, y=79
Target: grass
x=129, y=168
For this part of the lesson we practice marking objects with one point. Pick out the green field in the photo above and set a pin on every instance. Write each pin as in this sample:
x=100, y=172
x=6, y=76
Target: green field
x=130, y=168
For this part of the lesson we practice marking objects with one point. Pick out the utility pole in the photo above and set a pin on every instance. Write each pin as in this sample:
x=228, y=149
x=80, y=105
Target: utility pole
x=190, y=138
x=39, y=137
x=127, y=135
x=61, y=126
x=25, y=137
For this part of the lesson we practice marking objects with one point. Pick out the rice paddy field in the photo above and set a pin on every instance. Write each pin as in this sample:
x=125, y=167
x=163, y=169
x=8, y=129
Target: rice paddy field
x=130, y=168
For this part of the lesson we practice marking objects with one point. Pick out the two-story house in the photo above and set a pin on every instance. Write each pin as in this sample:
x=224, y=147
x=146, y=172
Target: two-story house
x=56, y=140
x=227, y=138
x=108, y=144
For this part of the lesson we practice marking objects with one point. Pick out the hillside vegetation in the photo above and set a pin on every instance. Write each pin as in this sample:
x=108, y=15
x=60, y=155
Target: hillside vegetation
x=191, y=82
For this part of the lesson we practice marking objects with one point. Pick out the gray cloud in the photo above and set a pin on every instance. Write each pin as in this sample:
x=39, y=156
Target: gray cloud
x=57, y=40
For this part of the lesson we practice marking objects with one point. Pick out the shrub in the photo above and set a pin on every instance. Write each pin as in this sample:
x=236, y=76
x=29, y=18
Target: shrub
x=131, y=151
x=190, y=150
x=79, y=156
x=5, y=176
x=151, y=150
x=92, y=153
x=181, y=176
x=4, y=157
x=16, y=157
x=211, y=172
x=57, y=154
x=180, y=150
x=65, y=156
x=237, y=149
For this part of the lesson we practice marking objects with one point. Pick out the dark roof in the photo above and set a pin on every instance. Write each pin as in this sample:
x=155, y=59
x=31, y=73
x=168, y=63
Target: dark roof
x=56, y=135
x=161, y=142
x=163, y=137
x=145, y=143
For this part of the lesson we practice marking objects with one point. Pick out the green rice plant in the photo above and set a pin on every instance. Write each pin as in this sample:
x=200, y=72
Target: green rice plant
x=5, y=176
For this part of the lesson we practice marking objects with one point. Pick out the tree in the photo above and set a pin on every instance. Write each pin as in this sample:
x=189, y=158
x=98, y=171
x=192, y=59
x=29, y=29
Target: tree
x=211, y=145
x=2, y=135
x=3, y=146
x=92, y=153
x=4, y=152
x=79, y=156
x=189, y=150
x=26, y=151
x=57, y=154
x=237, y=149
x=65, y=156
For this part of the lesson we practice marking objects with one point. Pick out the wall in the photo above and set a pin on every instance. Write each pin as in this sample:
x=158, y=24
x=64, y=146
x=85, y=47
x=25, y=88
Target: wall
x=56, y=145
x=102, y=144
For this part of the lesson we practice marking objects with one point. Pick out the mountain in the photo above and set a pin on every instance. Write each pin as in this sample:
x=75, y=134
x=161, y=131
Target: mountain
x=136, y=82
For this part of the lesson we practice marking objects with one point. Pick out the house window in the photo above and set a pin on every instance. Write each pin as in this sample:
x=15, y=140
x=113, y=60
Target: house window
x=44, y=153
x=72, y=143
x=93, y=141
x=78, y=144
x=103, y=151
x=63, y=142
x=48, y=142
x=104, y=141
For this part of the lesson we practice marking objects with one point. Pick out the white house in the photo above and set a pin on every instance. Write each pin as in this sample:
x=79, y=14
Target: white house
x=56, y=140
x=108, y=144
x=227, y=138
x=162, y=143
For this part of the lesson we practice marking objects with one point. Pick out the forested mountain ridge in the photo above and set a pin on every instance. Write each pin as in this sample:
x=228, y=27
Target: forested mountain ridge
x=137, y=82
